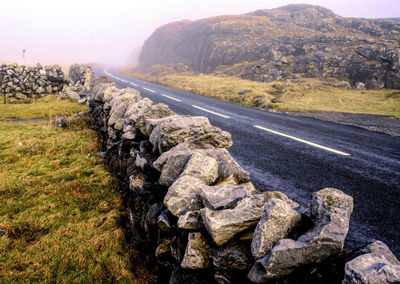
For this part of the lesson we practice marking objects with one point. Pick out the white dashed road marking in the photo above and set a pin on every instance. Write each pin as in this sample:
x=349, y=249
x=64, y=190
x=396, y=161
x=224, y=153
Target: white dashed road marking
x=150, y=90
x=133, y=84
x=172, y=98
x=303, y=141
x=210, y=111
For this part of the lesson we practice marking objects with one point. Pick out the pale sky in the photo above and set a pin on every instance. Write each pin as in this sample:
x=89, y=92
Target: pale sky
x=66, y=31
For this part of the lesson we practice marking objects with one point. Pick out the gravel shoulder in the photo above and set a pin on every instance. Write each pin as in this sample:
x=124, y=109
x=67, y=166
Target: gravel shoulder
x=372, y=122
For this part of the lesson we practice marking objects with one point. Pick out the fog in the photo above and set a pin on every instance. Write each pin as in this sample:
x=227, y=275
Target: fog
x=56, y=31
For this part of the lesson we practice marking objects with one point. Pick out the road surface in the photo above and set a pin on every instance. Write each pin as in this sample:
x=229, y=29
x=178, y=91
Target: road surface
x=300, y=155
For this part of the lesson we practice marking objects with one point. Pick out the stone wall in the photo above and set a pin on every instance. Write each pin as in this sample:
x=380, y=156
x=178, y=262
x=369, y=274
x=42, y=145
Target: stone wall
x=79, y=84
x=23, y=82
x=195, y=216
x=81, y=77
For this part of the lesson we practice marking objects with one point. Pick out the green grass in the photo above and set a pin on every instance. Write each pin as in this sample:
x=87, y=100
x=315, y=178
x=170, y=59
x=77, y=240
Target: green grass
x=306, y=95
x=61, y=209
x=38, y=108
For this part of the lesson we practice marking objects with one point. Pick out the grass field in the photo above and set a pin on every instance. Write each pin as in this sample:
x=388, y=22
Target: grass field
x=304, y=95
x=43, y=108
x=61, y=214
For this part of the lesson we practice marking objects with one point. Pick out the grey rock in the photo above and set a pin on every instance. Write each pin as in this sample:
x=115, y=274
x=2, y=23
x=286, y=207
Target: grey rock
x=41, y=90
x=225, y=196
x=183, y=195
x=151, y=123
x=359, y=86
x=228, y=168
x=342, y=84
x=375, y=84
x=330, y=209
x=164, y=223
x=117, y=112
x=153, y=112
x=119, y=124
x=204, y=168
x=137, y=108
x=188, y=129
x=20, y=96
x=197, y=253
x=191, y=220
x=276, y=101
x=152, y=216
x=172, y=169
x=377, y=265
x=223, y=225
x=130, y=135
x=276, y=222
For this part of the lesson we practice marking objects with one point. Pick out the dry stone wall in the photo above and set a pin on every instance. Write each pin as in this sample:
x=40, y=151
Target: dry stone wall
x=196, y=217
x=23, y=82
x=79, y=84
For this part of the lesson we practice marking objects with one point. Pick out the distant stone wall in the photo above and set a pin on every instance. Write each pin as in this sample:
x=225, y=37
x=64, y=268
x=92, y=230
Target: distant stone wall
x=196, y=217
x=22, y=82
x=81, y=76
x=79, y=83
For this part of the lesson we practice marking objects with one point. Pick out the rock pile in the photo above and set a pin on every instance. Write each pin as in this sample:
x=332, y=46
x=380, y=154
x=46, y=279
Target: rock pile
x=23, y=82
x=195, y=214
x=80, y=83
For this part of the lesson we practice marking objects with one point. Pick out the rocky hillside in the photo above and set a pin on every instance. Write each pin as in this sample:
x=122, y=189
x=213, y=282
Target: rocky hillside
x=286, y=42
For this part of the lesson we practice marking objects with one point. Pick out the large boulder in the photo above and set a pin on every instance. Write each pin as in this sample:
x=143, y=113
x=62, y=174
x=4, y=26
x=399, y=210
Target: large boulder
x=276, y=222
x=223, y=225
x=378, y=265
x=330, y=209
x=188, y=129
x=197, y=253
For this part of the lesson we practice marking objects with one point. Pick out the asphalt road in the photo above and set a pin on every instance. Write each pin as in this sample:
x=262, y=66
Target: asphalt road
x=300, y=155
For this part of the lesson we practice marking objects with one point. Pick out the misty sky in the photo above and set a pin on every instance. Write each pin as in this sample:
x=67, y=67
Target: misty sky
x=65, y=31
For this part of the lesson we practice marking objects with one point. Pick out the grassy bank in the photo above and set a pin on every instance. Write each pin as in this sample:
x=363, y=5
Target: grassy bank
x=43, y=108
x=60, y=218
x=303, y=95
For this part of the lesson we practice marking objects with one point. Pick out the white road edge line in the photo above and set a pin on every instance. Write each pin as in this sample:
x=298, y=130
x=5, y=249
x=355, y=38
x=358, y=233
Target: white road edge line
x=206, y=110
x=150, y=90
x=303, y=141
x=172, y=98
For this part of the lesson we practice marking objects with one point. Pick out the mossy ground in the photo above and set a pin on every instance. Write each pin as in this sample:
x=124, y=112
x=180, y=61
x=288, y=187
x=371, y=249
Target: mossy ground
x=305, y=95
x=61, y=211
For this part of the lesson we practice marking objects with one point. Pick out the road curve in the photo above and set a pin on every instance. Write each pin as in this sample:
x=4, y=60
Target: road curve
x=300, y=155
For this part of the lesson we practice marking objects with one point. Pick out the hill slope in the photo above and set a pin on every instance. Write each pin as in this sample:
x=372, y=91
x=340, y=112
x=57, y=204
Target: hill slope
x=286, y=42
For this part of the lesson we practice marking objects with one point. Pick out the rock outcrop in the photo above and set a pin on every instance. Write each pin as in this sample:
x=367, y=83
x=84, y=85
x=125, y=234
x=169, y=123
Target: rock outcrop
x=281, y=43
